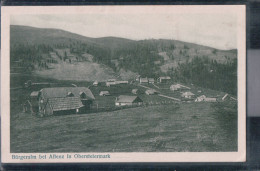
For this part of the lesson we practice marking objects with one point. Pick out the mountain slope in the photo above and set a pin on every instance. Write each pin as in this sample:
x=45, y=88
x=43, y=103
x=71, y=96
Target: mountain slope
x=32, y=35
x=147, y=57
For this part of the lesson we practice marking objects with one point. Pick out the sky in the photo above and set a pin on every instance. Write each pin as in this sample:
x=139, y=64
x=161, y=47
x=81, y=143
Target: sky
x=214, y=30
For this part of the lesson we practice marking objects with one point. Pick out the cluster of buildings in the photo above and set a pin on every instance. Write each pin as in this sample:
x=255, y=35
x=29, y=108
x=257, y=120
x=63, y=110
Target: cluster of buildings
x=69, y=100
x=146, y=80
x=188, y=95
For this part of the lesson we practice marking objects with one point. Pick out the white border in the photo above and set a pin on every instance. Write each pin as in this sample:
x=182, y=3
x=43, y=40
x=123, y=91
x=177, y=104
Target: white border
x=238, y=10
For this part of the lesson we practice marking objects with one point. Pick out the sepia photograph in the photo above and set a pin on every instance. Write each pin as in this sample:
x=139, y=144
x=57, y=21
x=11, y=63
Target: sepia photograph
x=109, y=80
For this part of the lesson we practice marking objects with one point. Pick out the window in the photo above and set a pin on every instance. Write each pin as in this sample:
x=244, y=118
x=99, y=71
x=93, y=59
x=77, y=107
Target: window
x=70, y=94
x=83, y=95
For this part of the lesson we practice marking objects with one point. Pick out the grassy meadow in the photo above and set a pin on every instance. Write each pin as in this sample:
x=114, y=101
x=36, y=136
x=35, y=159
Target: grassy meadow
x=192, y=127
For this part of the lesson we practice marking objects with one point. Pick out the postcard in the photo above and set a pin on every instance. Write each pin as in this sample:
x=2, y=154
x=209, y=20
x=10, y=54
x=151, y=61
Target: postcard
x=84, y=84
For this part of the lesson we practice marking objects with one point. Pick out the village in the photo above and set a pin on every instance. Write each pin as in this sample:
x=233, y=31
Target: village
x=71, y=93
x=114, y=95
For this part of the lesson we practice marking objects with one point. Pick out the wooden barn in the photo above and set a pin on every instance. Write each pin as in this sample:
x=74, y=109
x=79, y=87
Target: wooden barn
x=143, y=80
x=110, y=82
x=124, y=100
x=188, y=95
x=175, y=87
x=135, y=91
x=151, y=80
x=151, y=92
x=122, y=82
x=95, y=83
x=137, y=78
x=165, y=79
x=65, y=100
x=104, y=93
x=203, y=98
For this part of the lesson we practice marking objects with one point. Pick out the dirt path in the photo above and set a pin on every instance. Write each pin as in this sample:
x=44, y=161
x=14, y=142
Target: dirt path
x=143, y=86
x=156, y=86
x=169, y=97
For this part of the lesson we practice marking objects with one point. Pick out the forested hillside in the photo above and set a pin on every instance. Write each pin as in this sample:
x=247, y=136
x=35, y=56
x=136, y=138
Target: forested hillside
x=33, y=48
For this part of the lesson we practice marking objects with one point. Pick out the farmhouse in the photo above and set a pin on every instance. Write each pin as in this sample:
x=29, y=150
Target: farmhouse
x=206, y=99
x=187, y=95
x=124, y=100
x=143, y=80
x=110, y=82
x=121, y=82
x=175, y=87
x=95, y=83
x=165, y=79
x=104, y=93
x=210, y=99
x=151, y=80
x=200, y=98
x=137, y=78
x=64, y=100
x=151, y=92
x=135, y=91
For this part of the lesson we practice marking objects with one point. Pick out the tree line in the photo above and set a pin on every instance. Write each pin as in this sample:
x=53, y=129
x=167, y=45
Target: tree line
x=207, y=73
x=140, y=57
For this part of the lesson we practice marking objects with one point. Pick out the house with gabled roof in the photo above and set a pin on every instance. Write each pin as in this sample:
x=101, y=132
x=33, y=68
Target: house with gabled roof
x=188, y=95
x=164, y=79
x=151, y=92
x=124, y=100
x=143, y=80
x=104, y=93
x=151, y=80
x=175, y=87
x=64, y=100
x=135, y=91
x=205, y=99
x=95, y=83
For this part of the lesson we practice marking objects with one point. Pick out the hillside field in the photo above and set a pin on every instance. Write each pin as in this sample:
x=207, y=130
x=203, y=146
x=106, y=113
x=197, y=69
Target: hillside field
x=174, y=128
x=191, y=127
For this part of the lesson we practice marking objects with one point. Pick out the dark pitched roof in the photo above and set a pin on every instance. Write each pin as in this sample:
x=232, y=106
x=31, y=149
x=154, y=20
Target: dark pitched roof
x=63, y=92
x=127, y=99
x=65, y=103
